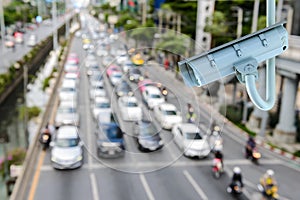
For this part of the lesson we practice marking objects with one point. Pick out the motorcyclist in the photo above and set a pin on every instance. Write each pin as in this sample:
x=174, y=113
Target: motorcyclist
x=236, y=177
x=268, y=180
x=191, y=116
x=47, y=131
x=219, y=155
x=251, y=144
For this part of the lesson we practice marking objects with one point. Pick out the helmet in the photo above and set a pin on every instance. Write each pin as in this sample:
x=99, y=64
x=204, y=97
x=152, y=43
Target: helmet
x=270, y=172
x=237, y=170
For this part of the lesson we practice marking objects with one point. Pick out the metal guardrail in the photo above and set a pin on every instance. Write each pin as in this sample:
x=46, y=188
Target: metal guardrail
x=29, y=165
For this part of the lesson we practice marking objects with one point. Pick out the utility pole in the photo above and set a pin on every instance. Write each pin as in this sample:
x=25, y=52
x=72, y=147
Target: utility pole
x=178, y=23
x=54, y=24
x=25, y=78
x=2, y=24
x=144, y=12
x=255, y=16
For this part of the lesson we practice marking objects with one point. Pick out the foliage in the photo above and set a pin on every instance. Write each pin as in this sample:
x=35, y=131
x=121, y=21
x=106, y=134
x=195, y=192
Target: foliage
x=171, y=42
x=123, y=19
x=32, y=112
x=297, y=153
x=244, y=128
x=46, y=83
x=14, y=157
x=232, y=112
x=218, y=26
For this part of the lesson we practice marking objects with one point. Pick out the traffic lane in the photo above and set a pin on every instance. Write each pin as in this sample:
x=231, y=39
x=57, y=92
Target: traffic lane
x=214, y=188
x=115, y=185
x=64, y=185
x=287, y=178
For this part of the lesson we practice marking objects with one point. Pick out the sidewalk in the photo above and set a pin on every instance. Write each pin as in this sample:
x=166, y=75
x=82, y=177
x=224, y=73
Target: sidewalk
x=205, y=104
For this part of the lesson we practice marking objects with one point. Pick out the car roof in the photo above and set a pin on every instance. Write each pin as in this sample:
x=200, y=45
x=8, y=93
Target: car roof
x=167, y=106
x=128, y=99
x=153, y=89
x=67, y=103
x=69, y=83
x=101, y=99
x=66, y=132
x=189, y=127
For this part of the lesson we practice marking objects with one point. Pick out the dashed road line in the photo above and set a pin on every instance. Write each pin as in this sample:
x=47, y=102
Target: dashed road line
x=94, y=186
x=146, y=187
x=195, y=185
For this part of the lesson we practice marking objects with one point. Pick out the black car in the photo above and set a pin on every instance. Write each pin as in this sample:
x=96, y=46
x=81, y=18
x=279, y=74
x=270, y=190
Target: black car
x=147, y=136
x=123, y=89
x=110, y=140
x=135, y=74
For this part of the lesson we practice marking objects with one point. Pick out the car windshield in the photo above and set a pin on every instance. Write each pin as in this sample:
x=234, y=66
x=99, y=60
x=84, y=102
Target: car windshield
x=65, y=89
x=169, y=112
x=117, y=75
x=67, y=110
x=114, y=132
x=99, y=87
x=193, y=136
x=71, y=142
x=131, y=104
x=155, y=96
x=148, y=130
x=102, y=105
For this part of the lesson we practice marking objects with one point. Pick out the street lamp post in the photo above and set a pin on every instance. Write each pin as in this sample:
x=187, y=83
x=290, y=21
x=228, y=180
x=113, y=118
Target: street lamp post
x=25, y=78
x=54, y=22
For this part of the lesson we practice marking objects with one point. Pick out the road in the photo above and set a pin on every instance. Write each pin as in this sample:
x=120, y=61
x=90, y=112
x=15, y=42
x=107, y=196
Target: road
x=9, y=56
x=164, y=174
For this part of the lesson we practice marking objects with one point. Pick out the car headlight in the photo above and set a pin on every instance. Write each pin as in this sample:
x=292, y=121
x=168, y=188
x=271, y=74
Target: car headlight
x=79, y=158
x=141, y=78
x=120, y=93
x=130, y=93
x=54, y=159
x=161, y=142
x=131, y=78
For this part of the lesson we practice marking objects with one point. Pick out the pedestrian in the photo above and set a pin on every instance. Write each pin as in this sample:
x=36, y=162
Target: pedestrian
x=166, y=64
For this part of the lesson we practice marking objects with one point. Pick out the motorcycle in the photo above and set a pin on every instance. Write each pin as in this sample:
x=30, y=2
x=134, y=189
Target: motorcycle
x=45, y=140
x=235, y=188
x=270, y=192
x=164, y=92
x=215, y=140
x=255, y=155
x=217, y=168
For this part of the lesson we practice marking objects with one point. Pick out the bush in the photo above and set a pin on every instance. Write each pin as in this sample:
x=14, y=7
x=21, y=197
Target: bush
x=46, y=83
x=33, y=111
x=14, y=157
x=297, y=153
x=232, y=112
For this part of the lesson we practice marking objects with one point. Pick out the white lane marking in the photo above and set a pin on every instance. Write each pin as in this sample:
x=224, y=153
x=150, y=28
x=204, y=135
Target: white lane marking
x=195, y=185
x=140, y=164
x=94, y=186
x=146, y=187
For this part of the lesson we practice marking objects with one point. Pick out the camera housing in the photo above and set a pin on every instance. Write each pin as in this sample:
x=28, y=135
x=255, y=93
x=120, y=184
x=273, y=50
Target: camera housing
x=240, y=56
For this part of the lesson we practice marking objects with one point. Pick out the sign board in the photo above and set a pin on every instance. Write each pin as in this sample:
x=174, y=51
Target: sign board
x=15, y=170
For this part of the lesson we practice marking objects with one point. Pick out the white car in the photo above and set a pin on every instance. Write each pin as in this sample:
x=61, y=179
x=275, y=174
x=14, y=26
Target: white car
x=167, y=115
x=66, y=114
x=68, y=91
x=72, y=76
x=152, y=96
x=115, y=78
x=130, y=109
x=101, y=105
x=67, y=150
x=32, y=40
x=191, y=140
x=97, y=90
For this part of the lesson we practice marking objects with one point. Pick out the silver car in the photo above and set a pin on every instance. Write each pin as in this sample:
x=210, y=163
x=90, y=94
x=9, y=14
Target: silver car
x=67, y=114
x=66, y=152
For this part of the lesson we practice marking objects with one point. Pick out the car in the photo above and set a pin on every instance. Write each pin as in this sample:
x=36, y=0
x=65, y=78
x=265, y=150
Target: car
x=67, y=114
x=123, y=89
x=126, y=66
x=95, y=78
x=129, y=108
x=142, y=84
x=97, y=91
x=32, y=40
x=73, y=59
x=135, y=75
x=67, y=152
x=68, y=91
x=93, y=69
x=107, y=61
x=167, y=115
x=90, y=60
x=101, y=52
x=110, y=140
x=112, y=69
x=101, y=106
x=115, y=78
x=71, y=67
x=9, y=42
x=152, y=96
x=147, y=136
x=191, y=139
x=121, y=59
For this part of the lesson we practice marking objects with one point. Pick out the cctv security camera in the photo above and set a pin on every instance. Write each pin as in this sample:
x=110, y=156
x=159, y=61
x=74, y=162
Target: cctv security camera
x=240, y=56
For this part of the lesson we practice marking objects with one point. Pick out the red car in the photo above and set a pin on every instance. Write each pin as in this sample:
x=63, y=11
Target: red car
x=144, y=83
x=73, y=58
x=111, y=69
